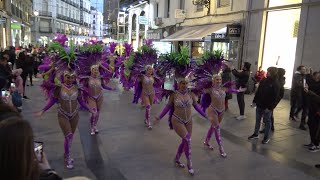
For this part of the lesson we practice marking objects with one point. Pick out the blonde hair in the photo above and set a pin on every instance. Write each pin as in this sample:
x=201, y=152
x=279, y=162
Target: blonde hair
x=94, y=67
x=215, y=76
x=148, y=66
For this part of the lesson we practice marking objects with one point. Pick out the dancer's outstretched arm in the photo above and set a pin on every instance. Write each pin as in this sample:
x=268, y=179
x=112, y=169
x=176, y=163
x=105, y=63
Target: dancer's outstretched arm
x=197, y=107
x=104, y=86
x=166, y=109
x=50, y=103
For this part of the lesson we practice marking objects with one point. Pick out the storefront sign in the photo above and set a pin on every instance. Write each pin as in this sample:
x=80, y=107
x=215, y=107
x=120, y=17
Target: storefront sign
x=143, y=20
x=218, y=36
x=154, y=34
x=233, y=30
x=15, y=26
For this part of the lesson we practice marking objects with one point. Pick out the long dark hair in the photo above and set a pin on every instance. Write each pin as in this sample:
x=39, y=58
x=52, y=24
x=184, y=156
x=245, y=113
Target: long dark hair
x=17, y=158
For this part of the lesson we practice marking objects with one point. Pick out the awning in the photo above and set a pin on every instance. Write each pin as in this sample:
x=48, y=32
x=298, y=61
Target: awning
x=194, y=33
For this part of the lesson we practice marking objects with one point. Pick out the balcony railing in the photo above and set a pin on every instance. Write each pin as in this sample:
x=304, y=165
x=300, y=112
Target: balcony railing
x=45, y=29
x=45, y=13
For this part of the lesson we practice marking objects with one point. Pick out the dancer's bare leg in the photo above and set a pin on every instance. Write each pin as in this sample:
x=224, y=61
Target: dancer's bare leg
x=185, y=132
x=92, y=105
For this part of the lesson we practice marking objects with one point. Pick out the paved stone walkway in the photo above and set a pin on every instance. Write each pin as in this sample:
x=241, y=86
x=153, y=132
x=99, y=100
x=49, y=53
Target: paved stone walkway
x=125, y=149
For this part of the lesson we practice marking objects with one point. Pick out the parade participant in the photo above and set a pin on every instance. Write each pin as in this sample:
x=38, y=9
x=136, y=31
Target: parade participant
x=207, y=77
x=180, y=108
x=93, y=75
x=146, y=82
x=128, y=59
x=67, y=95
x=216, y=110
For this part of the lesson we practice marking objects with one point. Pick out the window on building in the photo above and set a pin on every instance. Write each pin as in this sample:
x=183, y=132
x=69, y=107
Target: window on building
x=182, y=4
x=94, y=16
x=167, y=9
x=223, y=3
x=94, y=22
x=156, y=10
x=199, y=8
x=94, y=28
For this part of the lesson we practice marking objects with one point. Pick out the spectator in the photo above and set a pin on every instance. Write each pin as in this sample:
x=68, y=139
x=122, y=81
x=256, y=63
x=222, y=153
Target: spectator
x=12, y=56
x=5, y=70
x=266, y=98
x=242, y=77
x=18, y=161
x=226, y=77
x=313, y=92
x=17, y=79
x=296, y=96
x=22, y=64
x=260, y=74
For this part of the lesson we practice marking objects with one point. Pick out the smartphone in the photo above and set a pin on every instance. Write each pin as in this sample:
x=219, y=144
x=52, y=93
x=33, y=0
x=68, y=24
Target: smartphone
x=13, y=85
x=304, y=83
x=3, y=93
x=38, y=148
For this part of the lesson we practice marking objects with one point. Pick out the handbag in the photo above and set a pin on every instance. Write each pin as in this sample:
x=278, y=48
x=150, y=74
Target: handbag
x=16, y=99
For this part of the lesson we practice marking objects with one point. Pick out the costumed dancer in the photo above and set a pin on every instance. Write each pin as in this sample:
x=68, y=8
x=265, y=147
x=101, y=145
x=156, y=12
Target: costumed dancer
x=207, y=77
x=93, y=75
x=67, y=96
x=128, y=60
x=179, y=108
x=147, y=84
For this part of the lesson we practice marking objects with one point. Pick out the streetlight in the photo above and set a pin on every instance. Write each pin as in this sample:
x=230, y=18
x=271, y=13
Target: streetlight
x=36, y=13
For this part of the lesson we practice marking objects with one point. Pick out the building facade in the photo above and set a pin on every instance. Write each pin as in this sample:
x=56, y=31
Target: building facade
x=283, y=33
x=110, y=14
x=96, y=30
x=15, y=22
x=71, y=17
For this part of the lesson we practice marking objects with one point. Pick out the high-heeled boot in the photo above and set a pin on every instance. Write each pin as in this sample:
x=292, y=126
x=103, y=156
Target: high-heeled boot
x=67, y=146
x=207, y=140
x=187, y=152
x=178, y=155
x=96, y=122
x=92, y=119
x=147, y=116
x=219, y=141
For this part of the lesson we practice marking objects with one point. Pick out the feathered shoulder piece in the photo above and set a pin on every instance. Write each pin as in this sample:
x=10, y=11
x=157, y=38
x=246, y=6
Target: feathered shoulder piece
x=90, y=55
x=177, y=62
x=210, y=64
x=146, y=55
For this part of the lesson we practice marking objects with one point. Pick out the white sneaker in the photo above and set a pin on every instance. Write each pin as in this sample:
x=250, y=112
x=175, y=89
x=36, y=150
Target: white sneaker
x=241, y=117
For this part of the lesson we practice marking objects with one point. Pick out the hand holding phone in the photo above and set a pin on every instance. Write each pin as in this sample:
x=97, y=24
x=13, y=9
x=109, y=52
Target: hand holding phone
x=38, y=150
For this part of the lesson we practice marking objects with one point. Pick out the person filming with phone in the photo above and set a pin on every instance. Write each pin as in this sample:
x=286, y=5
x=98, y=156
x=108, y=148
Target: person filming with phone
x=20, y=157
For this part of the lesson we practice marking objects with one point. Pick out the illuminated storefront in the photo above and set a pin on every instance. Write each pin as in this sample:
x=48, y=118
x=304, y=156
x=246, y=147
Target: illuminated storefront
x=280, y=41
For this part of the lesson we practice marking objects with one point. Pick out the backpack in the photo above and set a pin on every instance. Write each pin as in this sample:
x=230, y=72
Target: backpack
x=16, y=99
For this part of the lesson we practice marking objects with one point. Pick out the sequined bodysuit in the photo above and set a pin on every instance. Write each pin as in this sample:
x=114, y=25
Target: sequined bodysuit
x=181, y=103
x=95, y=88
x=68, y=102
x=217, y=100
x=147, y=84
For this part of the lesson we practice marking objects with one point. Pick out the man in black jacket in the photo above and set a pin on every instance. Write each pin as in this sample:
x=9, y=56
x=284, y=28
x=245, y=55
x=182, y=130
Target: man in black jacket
x=297, y=96
x=5, y=70
x=242, y=78
x=266, y=99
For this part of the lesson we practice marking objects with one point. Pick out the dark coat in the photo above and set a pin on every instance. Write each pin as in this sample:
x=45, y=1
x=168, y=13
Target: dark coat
x=241, y=78
x=268, y=93
x=297, y=86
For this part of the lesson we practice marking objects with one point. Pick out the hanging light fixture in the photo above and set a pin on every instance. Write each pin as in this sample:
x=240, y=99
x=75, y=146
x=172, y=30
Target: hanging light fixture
x=205, y=3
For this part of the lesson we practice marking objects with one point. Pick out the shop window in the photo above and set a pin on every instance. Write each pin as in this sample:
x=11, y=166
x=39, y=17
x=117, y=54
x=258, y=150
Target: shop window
x=223, y=3
x=273, y=3
x=197, y=49
x=280, y=43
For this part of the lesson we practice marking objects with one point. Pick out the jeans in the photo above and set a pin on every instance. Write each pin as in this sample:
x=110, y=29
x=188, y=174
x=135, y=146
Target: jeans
x=241, y=103
x=266, y=114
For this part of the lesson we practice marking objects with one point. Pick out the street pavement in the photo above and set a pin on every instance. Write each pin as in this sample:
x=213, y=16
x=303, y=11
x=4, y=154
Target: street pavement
x=125, y=149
